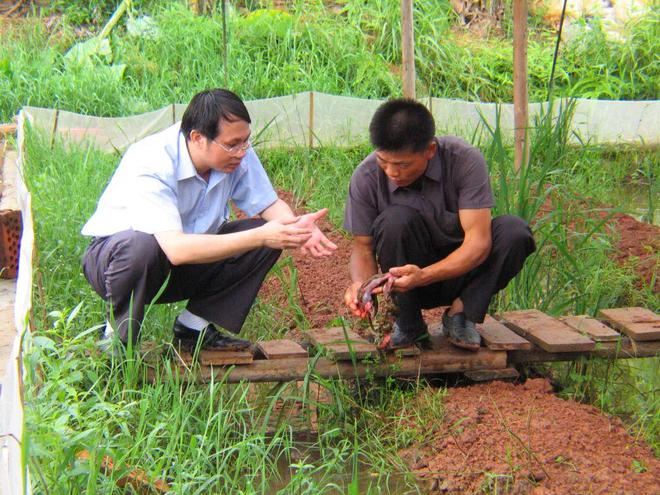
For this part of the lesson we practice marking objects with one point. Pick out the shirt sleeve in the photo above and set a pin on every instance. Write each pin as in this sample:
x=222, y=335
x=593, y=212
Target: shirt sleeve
x=361, y=205
x=253, y=191
x=474, y=190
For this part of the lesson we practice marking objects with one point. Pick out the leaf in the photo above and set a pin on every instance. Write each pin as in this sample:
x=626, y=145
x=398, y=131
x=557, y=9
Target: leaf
x=41, y=342
x=74, y=313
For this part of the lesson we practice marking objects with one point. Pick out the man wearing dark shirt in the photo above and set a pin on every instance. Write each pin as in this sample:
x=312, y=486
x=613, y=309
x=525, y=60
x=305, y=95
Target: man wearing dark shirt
x=419, y=207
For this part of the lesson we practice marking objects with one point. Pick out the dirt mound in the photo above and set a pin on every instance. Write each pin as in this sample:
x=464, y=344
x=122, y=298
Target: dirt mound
x=505, y=438
x=638, y=245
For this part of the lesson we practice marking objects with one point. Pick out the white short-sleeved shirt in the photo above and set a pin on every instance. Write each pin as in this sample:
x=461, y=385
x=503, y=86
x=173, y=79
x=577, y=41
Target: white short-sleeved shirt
x=156, y=189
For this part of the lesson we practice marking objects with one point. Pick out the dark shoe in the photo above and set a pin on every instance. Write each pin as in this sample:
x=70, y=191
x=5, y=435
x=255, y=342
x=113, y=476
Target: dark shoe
x=460, y=331
x=208, y=339
x=399, y=338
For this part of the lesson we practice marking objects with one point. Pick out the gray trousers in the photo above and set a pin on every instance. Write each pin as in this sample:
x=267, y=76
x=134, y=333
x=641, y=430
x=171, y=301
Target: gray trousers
x=403, y=236
x=128, y=269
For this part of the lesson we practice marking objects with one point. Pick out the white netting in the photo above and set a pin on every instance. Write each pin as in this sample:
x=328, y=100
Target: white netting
x=344, y=121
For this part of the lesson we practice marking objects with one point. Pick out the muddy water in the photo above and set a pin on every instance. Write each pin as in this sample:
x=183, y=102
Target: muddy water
x=634, y=201
x=369, y=479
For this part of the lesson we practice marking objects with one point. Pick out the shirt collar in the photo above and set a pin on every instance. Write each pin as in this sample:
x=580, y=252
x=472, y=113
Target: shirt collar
x=185, y=169
x=433, y=171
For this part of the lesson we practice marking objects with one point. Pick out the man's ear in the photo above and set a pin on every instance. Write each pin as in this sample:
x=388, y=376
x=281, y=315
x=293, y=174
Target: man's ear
x=430, y=151
x=196, y=137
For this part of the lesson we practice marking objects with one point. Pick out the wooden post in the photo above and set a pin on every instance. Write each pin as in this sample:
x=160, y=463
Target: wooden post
x=521, y=151
x=408, y=49
x=311, y=119
x=225, y=42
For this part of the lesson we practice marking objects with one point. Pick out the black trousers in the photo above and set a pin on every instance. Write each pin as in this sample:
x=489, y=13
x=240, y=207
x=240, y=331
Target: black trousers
x=402, y=236
x=128, y=269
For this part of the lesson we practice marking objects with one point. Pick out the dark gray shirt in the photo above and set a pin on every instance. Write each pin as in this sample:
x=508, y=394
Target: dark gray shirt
x=456, y=178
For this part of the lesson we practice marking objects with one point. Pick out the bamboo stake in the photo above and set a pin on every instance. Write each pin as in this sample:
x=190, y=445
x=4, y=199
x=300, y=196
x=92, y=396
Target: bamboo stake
x=121, y=10
x=408, y=49
x=521, y=150
x=311, y=119
x=225, y=41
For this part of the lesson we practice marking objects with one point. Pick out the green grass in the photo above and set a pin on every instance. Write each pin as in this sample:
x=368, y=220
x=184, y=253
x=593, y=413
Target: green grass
x=354, y=51
x=232, y=438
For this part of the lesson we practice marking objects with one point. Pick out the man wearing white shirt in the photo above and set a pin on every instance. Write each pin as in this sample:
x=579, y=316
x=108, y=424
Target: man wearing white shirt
x=163, y=220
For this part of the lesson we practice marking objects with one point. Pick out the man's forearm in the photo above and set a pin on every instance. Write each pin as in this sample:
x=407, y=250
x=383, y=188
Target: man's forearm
x=362, y=264
x=465, y=258
x=279, y=210
x=182, y=249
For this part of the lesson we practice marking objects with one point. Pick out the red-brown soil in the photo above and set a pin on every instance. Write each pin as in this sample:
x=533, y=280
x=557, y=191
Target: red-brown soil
x=500, y=437
x=321, y=282
x=522, y=439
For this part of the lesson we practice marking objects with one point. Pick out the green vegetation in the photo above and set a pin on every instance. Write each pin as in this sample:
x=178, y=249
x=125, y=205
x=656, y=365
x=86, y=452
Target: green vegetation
x=241, y=438
x=351, y=50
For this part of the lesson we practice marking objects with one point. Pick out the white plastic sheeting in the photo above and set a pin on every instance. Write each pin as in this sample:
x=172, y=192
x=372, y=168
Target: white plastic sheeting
x=12, y=470
x=319, y=119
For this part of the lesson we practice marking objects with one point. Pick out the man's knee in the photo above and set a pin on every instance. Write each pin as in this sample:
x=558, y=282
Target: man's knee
x=138, y=246
x=396, y=220
x=513, y=232
x=134, y=254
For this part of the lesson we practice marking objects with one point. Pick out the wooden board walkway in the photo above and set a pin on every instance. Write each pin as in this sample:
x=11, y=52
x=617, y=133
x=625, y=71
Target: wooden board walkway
x=514, y=338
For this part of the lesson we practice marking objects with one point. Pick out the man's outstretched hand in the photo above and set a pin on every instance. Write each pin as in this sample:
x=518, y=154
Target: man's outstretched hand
x=318, y=245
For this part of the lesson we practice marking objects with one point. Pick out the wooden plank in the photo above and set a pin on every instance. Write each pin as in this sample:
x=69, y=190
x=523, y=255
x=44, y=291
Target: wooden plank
x=152, y=352
x=333, y=340
x=412, y=350
x=448, y=360
x=208, y=358
x=591, y=327
x=498, y=337
x=488, y=375
x=548, y=333
x=637, y=323
x=621, y=349
x=280, y=349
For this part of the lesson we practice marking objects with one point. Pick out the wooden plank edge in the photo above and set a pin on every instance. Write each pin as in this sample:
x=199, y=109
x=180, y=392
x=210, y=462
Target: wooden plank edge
x=293, y=369
x=495, y=346
x=488, y=375
x=622, y=349
x=299, y=351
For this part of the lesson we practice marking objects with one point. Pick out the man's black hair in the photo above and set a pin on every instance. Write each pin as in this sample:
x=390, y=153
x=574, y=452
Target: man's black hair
x=208, y=107
x=402, y=125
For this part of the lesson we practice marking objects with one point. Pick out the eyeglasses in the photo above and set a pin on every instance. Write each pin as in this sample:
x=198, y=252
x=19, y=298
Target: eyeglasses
x=232, y=150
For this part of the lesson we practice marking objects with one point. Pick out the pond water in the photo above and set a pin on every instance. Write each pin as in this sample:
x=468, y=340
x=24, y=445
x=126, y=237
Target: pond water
x=302, y=474
x=634, y=201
